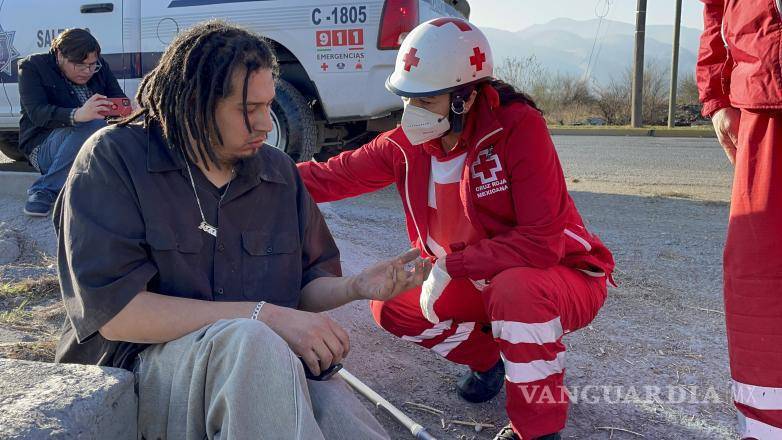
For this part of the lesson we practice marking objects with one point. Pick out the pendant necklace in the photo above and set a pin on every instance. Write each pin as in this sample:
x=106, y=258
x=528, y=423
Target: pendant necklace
x=205, y=226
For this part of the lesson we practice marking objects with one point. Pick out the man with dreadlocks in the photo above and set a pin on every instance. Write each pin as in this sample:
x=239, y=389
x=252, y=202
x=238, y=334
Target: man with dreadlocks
x=179, y=224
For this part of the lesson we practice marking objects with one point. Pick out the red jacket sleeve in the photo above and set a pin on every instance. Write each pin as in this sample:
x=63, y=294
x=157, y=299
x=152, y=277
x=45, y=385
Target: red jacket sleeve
x=712, y=65
x=542, y=207
x=351, y=173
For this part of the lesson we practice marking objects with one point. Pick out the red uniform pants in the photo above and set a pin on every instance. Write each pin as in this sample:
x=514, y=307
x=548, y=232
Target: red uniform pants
x=753, y=276
x=520, y=316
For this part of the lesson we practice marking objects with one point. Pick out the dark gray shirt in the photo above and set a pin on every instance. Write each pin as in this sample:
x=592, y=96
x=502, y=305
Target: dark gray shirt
x=127, y=221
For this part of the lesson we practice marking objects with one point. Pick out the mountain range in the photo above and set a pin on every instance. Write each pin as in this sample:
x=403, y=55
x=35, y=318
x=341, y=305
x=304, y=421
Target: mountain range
x=564, y=45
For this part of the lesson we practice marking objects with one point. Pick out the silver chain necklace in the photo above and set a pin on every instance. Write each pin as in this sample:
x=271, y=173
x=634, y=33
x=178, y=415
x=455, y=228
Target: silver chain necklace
x=205, y=226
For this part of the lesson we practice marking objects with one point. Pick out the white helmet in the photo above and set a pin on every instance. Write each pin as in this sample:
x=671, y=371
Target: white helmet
x=440, y=56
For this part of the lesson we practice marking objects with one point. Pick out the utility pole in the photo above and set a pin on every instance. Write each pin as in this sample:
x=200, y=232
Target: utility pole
x=636, y=119
x=675, y=64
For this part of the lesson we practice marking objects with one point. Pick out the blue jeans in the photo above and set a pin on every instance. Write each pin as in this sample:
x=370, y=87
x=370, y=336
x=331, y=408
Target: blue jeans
x=57, y=153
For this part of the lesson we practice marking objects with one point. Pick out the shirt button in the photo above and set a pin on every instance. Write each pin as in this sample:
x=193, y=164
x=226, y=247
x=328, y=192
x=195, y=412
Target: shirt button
x=220, y=247
x=220, y=291
x=269, y=250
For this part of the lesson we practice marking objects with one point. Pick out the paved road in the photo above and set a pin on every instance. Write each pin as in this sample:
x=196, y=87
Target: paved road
x=690, y=168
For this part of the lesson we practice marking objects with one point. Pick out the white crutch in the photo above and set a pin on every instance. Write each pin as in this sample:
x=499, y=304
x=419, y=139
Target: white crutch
x=415, y=428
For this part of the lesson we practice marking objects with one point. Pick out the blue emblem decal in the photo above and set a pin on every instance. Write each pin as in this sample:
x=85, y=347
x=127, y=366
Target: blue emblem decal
x=7, y=52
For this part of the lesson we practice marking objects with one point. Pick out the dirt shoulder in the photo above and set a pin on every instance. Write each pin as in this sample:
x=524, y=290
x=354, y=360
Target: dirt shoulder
x=661, y=329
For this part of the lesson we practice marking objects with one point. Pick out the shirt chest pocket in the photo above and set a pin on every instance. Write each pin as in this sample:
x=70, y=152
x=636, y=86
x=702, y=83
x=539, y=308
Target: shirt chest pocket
x=176, y=253
x=271, y=267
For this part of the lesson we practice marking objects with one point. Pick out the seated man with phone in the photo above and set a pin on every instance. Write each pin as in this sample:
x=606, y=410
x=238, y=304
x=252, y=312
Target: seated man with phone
x=66, y=96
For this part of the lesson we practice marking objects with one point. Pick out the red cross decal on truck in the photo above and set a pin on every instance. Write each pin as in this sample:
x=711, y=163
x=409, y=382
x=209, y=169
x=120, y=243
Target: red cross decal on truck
x=410, y=59
x=477, y=59
x=440, y=22
x=486, y=166
x=324, y=66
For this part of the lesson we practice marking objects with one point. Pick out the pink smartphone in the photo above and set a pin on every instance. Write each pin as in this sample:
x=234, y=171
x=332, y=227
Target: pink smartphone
x=119, y=107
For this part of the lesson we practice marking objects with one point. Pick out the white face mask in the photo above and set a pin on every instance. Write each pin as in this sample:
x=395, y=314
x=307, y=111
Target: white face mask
x=420, y=125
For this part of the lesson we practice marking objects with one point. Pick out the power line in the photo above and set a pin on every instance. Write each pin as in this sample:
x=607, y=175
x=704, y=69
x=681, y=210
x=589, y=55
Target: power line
x=601, y=15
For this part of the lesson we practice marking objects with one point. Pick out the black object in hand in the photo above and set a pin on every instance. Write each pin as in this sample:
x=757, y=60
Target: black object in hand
x=324, y=375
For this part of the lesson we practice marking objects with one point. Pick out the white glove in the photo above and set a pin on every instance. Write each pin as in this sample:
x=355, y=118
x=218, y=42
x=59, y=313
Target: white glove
x=432, y=289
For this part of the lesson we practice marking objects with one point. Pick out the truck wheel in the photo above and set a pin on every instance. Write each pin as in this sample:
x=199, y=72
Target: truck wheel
x=294, y=124
x=9, y=145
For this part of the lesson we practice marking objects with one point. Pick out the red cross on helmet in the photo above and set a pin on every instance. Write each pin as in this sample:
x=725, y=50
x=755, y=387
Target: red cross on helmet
x=439, y=56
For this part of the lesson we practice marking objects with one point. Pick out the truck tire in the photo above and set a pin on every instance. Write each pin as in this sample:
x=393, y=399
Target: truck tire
x=9, y=145
x=294, y=131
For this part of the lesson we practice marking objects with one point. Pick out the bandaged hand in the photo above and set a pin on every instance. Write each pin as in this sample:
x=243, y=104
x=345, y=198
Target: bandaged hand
x=432, y=288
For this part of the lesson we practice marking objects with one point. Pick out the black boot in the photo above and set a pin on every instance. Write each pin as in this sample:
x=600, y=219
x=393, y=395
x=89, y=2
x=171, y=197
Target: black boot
x=506, y=433
x=478, y=387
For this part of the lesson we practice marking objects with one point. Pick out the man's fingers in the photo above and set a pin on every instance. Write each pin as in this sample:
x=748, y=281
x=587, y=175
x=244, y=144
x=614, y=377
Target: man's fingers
x=422, y=271
x=335, y=346
x=325, y=356
x=727, y=143
x=311, y=359
x=408, y=256
x=731, y=155
x=343, y=337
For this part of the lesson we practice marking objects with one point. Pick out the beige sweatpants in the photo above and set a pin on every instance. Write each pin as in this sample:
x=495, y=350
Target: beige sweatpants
x=237, y=379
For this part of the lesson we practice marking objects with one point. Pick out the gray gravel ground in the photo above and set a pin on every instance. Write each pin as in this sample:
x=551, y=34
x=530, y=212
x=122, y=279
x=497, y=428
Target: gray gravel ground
x=659, y=204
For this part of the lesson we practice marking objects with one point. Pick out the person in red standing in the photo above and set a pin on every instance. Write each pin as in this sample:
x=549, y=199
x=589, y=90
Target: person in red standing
x=485, y=198
x=740, y=85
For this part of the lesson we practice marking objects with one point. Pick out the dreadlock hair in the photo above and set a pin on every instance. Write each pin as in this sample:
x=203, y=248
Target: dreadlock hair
x=181, y=93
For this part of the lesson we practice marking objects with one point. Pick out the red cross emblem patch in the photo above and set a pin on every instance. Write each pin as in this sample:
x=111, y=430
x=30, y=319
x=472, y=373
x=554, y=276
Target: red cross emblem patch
x=410, y=59
x=486, y=166
x=440, y=22
x=477, y=59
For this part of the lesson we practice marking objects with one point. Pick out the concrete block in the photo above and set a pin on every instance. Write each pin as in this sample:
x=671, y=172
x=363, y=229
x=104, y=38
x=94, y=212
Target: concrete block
x=57, y=401
x=14, y=183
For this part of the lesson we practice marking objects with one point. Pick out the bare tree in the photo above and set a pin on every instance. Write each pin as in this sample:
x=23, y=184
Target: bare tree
x=613, y=101
x=568, y=99
x=526, y=74
x=687, y=93
x=655, y=102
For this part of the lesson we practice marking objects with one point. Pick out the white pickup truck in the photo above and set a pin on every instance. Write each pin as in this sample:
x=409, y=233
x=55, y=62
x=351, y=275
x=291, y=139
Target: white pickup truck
x=334, y=56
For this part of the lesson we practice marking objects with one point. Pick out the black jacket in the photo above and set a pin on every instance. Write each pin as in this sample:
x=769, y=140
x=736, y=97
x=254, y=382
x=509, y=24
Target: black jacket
x=47, y=100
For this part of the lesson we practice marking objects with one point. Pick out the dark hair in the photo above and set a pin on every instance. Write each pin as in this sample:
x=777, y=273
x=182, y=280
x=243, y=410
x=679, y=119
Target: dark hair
x=509, y=94
x=75, y=45
x=195, y=71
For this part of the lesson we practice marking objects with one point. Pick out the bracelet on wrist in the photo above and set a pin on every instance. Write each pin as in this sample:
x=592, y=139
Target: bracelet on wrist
x=257, y=310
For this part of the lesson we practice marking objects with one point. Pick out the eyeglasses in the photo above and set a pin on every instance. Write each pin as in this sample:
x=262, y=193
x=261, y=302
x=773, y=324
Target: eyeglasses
x=84, y=68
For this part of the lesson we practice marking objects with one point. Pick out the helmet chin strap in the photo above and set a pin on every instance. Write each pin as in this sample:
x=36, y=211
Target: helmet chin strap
x=456, y=115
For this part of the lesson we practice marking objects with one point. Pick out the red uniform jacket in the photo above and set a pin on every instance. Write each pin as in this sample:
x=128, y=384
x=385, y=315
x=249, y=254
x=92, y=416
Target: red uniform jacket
x=747, y=73
x=512, y=183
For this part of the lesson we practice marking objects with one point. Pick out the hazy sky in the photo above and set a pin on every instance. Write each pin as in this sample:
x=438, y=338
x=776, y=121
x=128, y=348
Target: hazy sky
x=514, y=15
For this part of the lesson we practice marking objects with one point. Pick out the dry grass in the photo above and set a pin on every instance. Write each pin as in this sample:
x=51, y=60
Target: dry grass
x=16, y=316
x=40, y=351
x=31, y=305
x=32, y=290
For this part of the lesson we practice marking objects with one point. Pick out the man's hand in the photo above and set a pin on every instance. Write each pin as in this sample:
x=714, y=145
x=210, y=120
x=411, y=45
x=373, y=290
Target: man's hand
x=726, y=125
x=319, y=341
x=432, y=288
x=91, y=109
x=389, y=278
